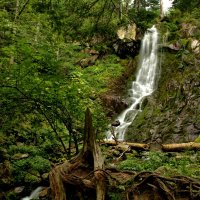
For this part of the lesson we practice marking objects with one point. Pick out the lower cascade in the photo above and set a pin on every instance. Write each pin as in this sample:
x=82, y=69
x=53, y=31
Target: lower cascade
x=34, y=194
x=143, y=86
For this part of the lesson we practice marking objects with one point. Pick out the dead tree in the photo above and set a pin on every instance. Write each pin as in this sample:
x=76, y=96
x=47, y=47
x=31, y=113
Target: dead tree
x=82, y=177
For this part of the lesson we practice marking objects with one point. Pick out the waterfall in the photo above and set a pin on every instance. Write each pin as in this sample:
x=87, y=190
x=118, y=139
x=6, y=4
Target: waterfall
x=34, y=194
x=143, y=86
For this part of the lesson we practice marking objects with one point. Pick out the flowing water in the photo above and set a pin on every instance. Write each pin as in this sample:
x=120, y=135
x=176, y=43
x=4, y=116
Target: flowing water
x=34, y=194
x=143, y=86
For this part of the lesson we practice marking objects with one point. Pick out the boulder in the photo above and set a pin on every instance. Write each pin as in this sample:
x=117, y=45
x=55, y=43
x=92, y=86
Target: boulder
x=116, y=123
x=175, y=46
x=19, y=190
x=116, y=103
x=86, y=62
x=124, y=49
x=127, y=43
x=195, y=46
x=128, y=33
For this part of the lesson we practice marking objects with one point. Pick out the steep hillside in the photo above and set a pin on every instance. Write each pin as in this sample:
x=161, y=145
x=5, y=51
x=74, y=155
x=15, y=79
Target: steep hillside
x=171, y=114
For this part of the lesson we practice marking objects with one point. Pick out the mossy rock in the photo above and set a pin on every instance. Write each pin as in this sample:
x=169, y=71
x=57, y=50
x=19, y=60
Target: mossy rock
x=31, y=179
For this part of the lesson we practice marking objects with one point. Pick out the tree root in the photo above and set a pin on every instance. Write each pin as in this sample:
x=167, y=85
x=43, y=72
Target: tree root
x=163, y=187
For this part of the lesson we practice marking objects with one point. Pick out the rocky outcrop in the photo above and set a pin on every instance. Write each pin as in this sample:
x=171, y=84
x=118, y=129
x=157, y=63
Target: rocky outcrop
x=128, y=33
x=171, y=114
x=93, y=55
x=114, y=103
x=124, y=49
x=127, y=43
x=188, y=29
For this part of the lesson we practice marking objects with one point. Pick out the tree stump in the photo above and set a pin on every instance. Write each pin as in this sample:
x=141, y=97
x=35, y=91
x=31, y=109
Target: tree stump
x=83, y=177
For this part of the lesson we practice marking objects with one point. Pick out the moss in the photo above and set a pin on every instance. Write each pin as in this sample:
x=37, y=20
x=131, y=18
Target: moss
x=31, y=179
x=36, y=165
x=168, y=164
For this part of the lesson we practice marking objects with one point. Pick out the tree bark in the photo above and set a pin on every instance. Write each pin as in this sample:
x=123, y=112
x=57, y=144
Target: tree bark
x=84, y=175
x=181, y=146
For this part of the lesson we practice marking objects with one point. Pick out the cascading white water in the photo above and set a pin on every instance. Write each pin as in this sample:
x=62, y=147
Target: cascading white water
x=143, y=86
x=34, y=194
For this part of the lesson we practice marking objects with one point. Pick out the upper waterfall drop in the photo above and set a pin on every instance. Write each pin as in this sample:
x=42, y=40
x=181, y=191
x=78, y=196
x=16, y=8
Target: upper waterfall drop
x=143, y=86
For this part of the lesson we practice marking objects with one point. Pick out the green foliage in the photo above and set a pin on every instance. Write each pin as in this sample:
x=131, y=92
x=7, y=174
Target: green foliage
x=144, y=18
x=30, y=169
x=115, y=196
x=186, y=6
x=182, y=164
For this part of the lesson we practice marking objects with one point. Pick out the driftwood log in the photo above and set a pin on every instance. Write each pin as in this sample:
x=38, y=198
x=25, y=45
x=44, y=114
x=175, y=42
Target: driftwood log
x=135, y=146
x=165, y=147
x=84, y=176
x=181, y=146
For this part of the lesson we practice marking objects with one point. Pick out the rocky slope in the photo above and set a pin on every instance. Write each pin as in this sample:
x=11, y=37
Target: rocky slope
x=171, y=114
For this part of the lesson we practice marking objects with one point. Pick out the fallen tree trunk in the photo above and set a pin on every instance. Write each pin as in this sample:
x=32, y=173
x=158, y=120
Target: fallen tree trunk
x=165, y=147
x=135, y=146
x=181, y=146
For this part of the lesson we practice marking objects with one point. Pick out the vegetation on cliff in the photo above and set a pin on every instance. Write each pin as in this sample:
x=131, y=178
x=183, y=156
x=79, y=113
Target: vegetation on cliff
x=57, y=59
x=172, y=113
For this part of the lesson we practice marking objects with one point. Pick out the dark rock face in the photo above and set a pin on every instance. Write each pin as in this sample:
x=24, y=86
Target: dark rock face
x=115, y=103
x=126, y=48
x=171, y=114
x=116, y=123
x=128, y=43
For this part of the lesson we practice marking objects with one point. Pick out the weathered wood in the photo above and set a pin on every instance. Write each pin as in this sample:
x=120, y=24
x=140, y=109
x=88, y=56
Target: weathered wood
x=84, y=175
x=165, y=147
x=97, y=156
x=135, y=146
x=181, y=146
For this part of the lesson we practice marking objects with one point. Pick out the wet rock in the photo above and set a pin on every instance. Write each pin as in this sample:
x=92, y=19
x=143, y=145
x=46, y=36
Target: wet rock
x=18, y=190
x=116, y=123
x=116, y=103
x=124, y=49
x=44, y=193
